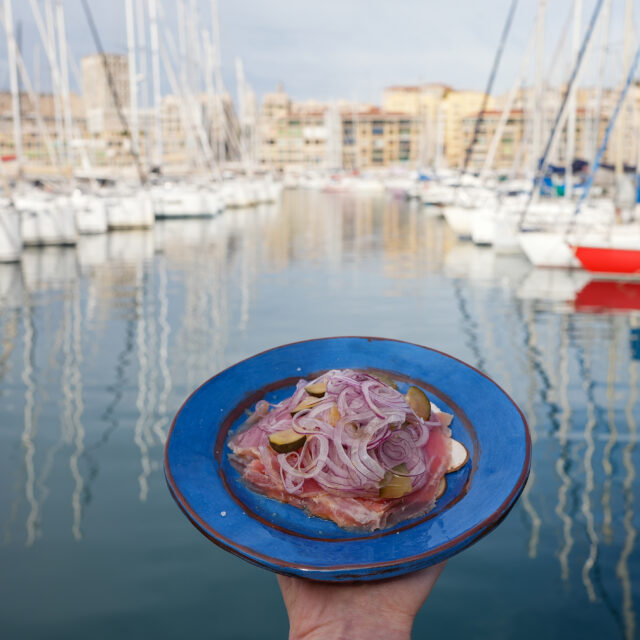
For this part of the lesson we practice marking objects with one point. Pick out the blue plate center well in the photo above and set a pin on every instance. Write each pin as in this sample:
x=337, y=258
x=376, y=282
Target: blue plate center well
x=294, y=521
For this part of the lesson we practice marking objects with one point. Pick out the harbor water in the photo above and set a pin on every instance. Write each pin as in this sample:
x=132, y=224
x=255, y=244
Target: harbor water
x=100, y=344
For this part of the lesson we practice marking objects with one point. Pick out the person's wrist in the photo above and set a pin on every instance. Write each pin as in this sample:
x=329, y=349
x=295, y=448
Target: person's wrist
x=375, y=627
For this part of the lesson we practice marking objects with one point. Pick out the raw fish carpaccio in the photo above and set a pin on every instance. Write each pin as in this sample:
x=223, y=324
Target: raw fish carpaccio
x=348, y=447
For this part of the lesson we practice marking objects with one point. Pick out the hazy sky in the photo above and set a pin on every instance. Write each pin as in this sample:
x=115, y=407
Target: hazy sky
x=349, y=49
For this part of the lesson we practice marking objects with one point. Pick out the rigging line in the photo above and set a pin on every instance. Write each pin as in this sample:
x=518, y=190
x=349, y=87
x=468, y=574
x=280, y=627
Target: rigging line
x=544, y=162
x=607, y=134
x=560, y=44
x=114, y=93
x=487, y=93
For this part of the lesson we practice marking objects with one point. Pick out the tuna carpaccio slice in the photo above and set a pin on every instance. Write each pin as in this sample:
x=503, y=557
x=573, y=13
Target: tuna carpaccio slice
x=260, y=470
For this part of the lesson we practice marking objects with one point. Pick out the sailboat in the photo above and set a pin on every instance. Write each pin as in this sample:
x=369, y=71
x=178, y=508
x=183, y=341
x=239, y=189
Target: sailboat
x=544, y=224
x=589, y=235
x=470, y=192
x=617, y=250
x=10, y=238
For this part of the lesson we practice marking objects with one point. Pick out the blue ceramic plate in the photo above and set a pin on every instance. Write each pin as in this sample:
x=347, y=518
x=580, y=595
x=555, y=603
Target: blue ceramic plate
x=283, y=538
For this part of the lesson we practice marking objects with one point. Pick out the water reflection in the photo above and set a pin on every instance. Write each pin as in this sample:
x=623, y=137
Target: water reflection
x=100, y=344
x=30, y=423
x=586, y=375
x=622, y=567
x=563, y=463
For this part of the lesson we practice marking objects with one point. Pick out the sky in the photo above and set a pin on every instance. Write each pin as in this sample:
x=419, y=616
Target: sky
x=350, y=49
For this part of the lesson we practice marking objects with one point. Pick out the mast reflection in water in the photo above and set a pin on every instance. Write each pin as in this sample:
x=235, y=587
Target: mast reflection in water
x=101, y=343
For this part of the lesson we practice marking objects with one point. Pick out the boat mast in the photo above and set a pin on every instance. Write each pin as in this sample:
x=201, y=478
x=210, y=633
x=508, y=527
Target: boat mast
x=506, y=111
x=487, y=93
x=133, y=83
x=50, y=43
x=626, y=56
x=198, y=57
x=210, y=121
x=619, y=107
x=439, y=152
x=64, y=81
x=606, y=22
x=240, y=85
x=561, y=115
x=46, y=37
x=209, y=88
x=22, y=69
x=221, y=128
x=183, y=76
x=113, y=90
x=538, y=104
x=193, y=55
x=13, y=80
x=190, y=123
x=155, y=72
x=571, y=122
x=144, y=81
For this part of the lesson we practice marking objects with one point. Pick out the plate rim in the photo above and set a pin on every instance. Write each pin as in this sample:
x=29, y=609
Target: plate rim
x=279, y=565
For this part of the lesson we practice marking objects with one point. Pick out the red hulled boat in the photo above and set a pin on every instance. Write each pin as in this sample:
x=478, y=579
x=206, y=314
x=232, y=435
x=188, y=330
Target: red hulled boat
x=616, y=250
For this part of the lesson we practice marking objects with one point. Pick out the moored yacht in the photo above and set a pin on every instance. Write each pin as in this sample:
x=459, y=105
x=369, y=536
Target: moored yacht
x=46, y=220
x=130, y=211
x=10, y=237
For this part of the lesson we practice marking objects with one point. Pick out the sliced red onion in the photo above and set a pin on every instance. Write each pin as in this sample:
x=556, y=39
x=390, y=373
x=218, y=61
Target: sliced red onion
x=376, y=432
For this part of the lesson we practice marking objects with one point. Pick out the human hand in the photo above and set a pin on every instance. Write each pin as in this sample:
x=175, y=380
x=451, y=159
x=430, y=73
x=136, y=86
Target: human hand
x=380, y=610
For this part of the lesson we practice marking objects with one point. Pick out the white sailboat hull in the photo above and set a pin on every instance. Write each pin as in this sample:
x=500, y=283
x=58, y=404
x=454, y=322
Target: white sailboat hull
x=186, y=203
x=483, y=227
x=130, y=212
x=547, y=249
x=460, y=219
x=10, y=237
x=90, y=215
x=45, y=222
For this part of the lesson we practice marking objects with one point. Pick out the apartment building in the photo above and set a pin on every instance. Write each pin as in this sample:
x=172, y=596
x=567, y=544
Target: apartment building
x=43, y=126
x=105, y=88
x=351, y=136
x=379, y=138
x=440, y=112
x=514, y=150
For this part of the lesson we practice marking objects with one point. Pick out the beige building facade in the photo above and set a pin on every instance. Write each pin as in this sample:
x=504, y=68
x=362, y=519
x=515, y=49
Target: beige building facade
x=333, y=136
x=440, y=112
x=515, y=152
x=416, y=126
x=42, y=125
x=105, y=88
x=379, y=138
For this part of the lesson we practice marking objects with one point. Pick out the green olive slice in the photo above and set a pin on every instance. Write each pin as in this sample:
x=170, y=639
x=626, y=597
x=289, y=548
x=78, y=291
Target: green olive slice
x=286, y=441
x=317, y=389
x=394, y=485
x=305, y=403
x=418, y=401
